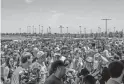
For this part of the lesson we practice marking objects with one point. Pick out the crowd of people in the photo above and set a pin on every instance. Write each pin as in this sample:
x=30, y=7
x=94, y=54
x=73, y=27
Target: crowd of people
x=62, y=61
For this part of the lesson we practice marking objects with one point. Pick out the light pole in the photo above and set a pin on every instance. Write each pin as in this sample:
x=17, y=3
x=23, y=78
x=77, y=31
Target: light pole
x=61, y=29
x=42, y=29
x=106, y=24
x=99, y=30
x=80, y=31
x=85, y=32
x=27, y=29
x=33, y=29
x=39, y=29
x=67, y=30
x=114, y=29
x=49, y=29
x=20, y=30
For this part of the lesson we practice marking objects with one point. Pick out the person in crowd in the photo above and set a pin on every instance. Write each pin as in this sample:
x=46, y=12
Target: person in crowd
x=84, y=72
x=89, y=80
x=89, y=64
x=104, y=76
x=46, y=51
x=40, y=64
x=116, y=70
x=25, y=63
x=8, y=70
x=57, y=74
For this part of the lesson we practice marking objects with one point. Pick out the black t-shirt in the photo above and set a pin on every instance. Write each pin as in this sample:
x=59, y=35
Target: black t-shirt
x=53, y=80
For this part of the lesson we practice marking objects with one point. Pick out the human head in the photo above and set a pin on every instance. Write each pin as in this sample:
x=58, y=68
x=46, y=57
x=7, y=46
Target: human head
x=89, y=80
x=122, y=61
x=9, y=62
x=100, y=49
x=35, y=51
x=26, y=59
x=40, y=56
x=84, y=72
x=89, y=63
x=93, y=45
x=57, y=56
x=67, y=62
x=58, y=67
x=116, y=69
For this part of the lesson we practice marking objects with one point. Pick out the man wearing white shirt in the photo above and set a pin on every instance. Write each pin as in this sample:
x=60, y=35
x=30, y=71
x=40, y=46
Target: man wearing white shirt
x=40, y=65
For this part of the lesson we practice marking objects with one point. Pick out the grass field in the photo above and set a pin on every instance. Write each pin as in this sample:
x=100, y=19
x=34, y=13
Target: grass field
x=8, y=37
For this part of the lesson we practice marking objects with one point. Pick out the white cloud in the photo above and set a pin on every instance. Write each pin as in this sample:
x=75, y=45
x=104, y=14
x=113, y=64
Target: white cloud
x=54, y=19
x=29, y=1
x=79, y=17
x=53, y=11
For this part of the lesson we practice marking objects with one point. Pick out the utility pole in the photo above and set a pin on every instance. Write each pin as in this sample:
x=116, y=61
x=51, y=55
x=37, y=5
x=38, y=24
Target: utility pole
x=106, y=24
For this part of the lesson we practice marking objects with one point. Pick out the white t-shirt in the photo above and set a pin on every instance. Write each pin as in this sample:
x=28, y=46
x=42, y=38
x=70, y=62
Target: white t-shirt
x=15, y=76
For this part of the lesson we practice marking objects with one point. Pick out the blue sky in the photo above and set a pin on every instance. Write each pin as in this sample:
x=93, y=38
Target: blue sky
x=69, y=13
